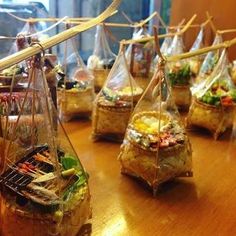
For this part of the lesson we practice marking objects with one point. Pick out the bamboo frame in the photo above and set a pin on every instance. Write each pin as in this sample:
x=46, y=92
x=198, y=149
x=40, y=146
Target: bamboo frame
x=56, y=39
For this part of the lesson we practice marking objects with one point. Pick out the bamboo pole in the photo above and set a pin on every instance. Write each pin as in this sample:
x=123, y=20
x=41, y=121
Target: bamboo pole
x=225, y=44
x=226, y=31
x=56, y=39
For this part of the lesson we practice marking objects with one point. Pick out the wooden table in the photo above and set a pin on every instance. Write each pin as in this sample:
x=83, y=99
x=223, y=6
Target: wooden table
x=202, y=205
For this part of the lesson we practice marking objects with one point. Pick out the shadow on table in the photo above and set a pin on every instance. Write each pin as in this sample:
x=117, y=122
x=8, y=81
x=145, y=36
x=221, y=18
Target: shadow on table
x=170, y=191
x=86, y=230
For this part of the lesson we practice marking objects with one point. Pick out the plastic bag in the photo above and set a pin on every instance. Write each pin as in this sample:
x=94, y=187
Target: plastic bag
x=195, y=62
x=137, y=34
x=164, y=48
x=233, y=72
x=140, y=56
x=179, y=74
x=44, y=188
x=102, y=59
x=213, y=100
x=23, y=38
x=156, y=147
x=209, y=62
x=115, y=102
x=76, y=89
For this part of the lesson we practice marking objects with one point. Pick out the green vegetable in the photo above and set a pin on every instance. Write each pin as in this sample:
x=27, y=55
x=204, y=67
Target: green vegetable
x=180, y=76
x=69, y=162
x=82, y=180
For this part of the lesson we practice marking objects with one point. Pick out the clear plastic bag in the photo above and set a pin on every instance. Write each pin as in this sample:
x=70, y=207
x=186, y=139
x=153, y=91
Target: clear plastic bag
x=137, y=34
x=44, y=188
x=23, y=39
x=195, y=62
x=164, y=48
x=214, y=100
x=102, y=59
x=115, y=102
x=76, y=89
x=140, y=56
x=179, y=75
x=156, y=147
x=233, y=72
x=209, y=62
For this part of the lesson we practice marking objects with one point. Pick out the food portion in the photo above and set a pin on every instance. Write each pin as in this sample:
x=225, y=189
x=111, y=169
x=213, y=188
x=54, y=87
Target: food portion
x=8, y=74
x=140, y=66
x=179, y=74
x=75, y=98
x=41, y=199
x=155, y=148
x=214, y=100
x=112, y=111
x=102, y=59
x=214, y=110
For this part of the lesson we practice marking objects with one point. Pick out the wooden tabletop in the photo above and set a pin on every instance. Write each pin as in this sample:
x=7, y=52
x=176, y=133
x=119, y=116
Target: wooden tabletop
x=202, y=205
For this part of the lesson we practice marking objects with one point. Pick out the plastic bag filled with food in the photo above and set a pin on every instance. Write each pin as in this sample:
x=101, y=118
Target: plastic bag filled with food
x=214, y=100
x=179, y=75
x=156, y=147
x=139, y=32
x=115, y=102
x=209, y=62
x=102, y=59
x=195, y=62
x=140, y=57
x=76, y=88
x=44, y=188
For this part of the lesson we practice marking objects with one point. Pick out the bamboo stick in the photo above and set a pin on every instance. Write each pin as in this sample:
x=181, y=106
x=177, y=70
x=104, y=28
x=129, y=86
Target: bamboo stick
x=226, y=31
x=211, y=22
x=143, y=22
x=56, y=39
x=164, y=25
x=225, y=44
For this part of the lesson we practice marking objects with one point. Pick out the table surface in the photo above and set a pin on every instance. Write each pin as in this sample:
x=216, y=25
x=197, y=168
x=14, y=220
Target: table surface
x=202, y=205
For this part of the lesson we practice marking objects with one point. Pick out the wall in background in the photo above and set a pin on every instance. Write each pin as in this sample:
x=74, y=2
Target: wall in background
x=223, y=12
